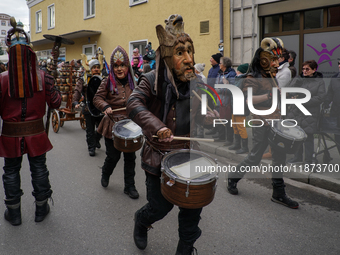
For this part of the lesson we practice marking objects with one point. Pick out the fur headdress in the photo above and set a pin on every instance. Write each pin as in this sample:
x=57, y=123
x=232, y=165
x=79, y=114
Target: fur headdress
x=24, y=77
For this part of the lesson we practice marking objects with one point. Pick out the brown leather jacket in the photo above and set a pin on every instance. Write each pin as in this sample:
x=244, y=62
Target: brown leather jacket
x=145, y=108
x=104, y=99
x=261, y=85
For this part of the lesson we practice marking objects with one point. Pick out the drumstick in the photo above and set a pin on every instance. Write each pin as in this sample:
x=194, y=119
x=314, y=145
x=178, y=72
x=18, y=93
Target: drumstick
x=193, y=91
x=189, y=138
x=119, y=109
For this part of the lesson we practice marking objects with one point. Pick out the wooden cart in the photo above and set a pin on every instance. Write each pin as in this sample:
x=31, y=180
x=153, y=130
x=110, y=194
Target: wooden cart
x=66, y=82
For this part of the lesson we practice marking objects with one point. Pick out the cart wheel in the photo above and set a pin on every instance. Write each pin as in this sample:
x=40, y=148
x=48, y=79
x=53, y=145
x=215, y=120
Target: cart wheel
x=82, y=121
x=55, y=121
x=61, y=115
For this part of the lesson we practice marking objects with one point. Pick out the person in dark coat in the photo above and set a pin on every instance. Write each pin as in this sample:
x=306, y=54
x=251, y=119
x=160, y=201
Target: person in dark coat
x=333, y=94
x=313, y=81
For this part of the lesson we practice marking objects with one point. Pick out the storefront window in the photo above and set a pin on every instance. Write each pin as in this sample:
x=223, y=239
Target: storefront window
x=333, y=16
x=313, y=19
x=291, y=21
x=271, y=24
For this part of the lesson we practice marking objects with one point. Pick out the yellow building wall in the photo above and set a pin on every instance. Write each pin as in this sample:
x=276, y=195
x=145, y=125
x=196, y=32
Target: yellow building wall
x=120, y=24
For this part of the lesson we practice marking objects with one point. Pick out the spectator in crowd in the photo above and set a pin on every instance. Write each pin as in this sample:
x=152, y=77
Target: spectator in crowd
x=284, y=75
x=199, y=68
x=136, y=54
x=226, y=75
x=240, y=132
x=311, y=80
x=291, y=61
x=215, y=63
x=149, y=61
x=333, y=95
x=135, y=68
x=146, y=68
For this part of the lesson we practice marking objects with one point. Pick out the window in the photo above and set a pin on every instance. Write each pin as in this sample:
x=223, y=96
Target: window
x=89, y=8
x=89, y=50
x=136, y=2
x=3, y=32
x=271, y=24
x=333, y=16
x=3, y=23
x=9, y=23
x=38, y=21
x=140, y=45
x=313, y=19
x=291, y=21
x=204, y=27
x=50, y=16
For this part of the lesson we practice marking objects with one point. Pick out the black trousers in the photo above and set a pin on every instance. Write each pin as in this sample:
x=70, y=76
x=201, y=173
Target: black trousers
x=92, y=136
x=260, y=143
x=111, y=160
x=39, y=173
x=158, y=207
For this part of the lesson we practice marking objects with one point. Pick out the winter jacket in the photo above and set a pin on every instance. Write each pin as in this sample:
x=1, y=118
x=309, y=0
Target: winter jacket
x=284, y=75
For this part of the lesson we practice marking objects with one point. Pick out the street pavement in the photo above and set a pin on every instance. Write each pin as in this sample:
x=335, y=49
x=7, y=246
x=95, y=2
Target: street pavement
x=326, y=176
x=89, y=219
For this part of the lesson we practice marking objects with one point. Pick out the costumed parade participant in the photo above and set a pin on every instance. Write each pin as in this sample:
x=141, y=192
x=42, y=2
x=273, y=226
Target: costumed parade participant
x=25, y=90
x=112, y=94
x=160, y=105
x=264, y=67
x=92, y=120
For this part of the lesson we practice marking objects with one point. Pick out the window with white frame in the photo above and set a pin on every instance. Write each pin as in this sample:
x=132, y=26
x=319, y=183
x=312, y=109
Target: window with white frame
x=140, y=45
x=3, y=23
x=135, y=2
x=3, y=32
x=89, y=8
x=38, y=21
x=89, y=50
x=50, y=16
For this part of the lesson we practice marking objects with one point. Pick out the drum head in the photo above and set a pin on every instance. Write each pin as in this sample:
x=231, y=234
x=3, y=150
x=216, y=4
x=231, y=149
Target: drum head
x=91, y=90
x=189, y=165
x=127, y=129
x=289, y=131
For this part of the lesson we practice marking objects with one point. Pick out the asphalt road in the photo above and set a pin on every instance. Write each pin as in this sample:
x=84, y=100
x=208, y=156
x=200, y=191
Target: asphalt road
x=89, y=219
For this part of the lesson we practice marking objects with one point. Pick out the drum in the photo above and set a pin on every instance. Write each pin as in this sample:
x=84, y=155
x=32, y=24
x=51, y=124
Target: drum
x=189, y=178
x=286, y=139
x=127, y=136
x=91, y=90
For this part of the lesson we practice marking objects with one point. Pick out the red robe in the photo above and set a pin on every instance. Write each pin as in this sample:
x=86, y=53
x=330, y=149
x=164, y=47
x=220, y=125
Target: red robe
x=11, y=110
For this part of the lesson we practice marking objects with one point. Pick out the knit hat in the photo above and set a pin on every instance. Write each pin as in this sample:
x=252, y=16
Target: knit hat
x=200, y=67
x=93, y=62
x=243, y=68
x=217, y=57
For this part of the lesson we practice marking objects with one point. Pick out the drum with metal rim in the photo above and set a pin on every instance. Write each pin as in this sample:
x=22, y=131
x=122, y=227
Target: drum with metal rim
x=189, y=178
x=127, y=136
x=286, y=138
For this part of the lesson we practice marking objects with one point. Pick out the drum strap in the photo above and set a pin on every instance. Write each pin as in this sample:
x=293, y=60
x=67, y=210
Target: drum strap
x=166, y=147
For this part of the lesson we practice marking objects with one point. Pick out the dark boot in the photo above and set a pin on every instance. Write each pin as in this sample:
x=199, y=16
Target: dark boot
x=105, y=180
x=13, y=212
x=237, y=143
x=42, y=208
x=92, y=152
x=244, y=148
x=131, y=192
x=184, y=248
x=232, y=186
x=279, y=196
x=140, y=233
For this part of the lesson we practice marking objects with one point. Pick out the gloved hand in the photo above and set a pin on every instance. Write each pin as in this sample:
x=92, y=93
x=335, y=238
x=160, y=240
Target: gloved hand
x=165, y=135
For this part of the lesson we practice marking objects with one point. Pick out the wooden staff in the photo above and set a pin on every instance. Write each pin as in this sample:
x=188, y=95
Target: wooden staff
x=189, y=138
x=193, y=91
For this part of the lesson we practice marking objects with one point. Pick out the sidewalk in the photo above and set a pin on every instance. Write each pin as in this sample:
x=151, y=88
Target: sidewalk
x=326, y=179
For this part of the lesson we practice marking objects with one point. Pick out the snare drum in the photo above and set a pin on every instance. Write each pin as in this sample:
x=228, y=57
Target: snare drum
x=286, y=139
x=189, y=178
x=127, y=136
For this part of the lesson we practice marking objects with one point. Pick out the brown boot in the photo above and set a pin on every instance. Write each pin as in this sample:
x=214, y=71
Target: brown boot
x=268, y=155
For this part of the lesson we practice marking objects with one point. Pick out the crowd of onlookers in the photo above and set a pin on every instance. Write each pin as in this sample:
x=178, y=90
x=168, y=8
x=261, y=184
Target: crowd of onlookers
x=236, y=137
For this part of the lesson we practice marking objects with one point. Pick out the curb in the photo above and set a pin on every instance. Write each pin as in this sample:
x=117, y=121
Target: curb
x=314, y=179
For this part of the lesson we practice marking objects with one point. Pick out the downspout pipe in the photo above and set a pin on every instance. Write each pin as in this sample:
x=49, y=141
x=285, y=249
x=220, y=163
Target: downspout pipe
x=221, y=28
